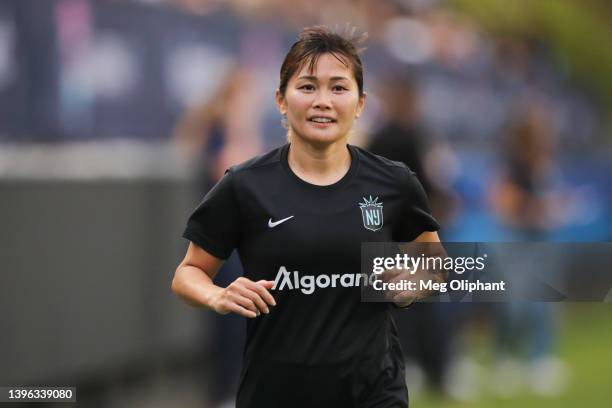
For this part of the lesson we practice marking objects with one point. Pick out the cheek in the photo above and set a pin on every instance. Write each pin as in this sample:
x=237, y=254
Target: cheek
x=296, y=101
x=347, y=105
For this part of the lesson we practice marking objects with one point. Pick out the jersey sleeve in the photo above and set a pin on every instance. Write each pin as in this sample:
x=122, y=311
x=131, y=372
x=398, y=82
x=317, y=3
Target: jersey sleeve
x=215, y=223
x=416, y=217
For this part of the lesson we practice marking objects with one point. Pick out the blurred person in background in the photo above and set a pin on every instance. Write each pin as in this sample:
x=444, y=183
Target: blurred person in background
x=528, y=199
x=207, y=137
x=425, y=328
x=297, y=209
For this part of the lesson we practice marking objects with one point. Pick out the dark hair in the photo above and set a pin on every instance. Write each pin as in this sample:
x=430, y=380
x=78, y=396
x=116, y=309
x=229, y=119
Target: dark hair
x=315, y=41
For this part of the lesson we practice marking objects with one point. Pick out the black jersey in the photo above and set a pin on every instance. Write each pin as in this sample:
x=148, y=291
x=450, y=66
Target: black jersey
x=320, y=345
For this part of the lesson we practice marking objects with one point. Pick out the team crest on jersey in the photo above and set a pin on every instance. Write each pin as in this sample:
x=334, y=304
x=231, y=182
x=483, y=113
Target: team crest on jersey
x=371, y=213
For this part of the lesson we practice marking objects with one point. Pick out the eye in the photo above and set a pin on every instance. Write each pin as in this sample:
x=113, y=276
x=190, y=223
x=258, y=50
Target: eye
x=339, y=88
x=307, y=87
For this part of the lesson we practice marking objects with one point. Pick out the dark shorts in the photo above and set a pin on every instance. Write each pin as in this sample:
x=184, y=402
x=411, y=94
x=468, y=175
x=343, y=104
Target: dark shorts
x=372, y=382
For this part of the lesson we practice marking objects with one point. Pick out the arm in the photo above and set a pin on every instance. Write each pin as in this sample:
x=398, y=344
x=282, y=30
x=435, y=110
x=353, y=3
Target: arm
x=431, y=248
x=428, y=236
x=193, y=282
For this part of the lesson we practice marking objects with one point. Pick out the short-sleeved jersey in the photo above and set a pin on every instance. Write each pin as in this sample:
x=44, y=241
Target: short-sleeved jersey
x=307, y=238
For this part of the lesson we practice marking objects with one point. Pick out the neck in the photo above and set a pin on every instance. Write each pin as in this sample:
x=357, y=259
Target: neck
x=320, y=165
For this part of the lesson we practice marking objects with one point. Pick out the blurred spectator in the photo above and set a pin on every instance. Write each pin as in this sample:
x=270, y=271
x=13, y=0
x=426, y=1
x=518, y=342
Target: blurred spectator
x=527, y=199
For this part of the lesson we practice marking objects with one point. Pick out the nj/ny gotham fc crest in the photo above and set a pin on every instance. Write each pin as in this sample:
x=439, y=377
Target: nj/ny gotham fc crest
x=372, y=213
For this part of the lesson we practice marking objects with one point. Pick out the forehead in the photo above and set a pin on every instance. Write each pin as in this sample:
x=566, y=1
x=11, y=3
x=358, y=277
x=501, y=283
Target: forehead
x=326, y=65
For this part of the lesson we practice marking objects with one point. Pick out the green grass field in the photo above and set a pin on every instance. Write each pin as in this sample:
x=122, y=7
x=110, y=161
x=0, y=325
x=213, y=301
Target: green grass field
x=585, y=345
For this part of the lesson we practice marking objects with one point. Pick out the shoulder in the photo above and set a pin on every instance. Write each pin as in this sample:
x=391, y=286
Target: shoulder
x=266, y=160
x=389, y=171
x=376, y=160
x=371, y=162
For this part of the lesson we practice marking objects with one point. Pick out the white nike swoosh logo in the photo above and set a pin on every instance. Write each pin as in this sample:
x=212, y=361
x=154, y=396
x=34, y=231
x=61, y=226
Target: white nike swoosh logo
x=275, y=223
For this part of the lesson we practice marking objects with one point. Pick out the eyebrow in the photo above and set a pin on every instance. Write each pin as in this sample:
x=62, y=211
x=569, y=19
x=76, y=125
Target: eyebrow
x=314, y=78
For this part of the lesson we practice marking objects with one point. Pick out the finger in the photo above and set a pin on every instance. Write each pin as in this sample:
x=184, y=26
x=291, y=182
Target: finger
x=261, y=291
x=256, y=299
x=405, y=298
x=404, y=277
x=263, y=288
x=394, y=277
x=240, y=288
x=266, y=283
x=239, y=310
x=404, y=303
x=245, y=302
x=389, y=274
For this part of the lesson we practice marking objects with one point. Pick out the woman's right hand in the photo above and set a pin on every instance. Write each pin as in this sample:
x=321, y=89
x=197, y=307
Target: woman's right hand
x=244, y=297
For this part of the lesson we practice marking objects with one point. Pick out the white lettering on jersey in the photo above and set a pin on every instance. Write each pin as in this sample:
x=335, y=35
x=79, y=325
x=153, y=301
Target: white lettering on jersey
x=283, y=274
x=307, y=284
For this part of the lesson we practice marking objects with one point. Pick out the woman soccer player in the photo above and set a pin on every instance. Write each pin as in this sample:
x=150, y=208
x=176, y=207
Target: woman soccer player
x=298, y=216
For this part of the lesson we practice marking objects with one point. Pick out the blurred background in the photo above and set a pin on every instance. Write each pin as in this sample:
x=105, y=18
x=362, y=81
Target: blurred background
x=116, y=116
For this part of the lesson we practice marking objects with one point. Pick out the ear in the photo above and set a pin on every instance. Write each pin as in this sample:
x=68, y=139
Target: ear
x=280, y=102
x=361, y=104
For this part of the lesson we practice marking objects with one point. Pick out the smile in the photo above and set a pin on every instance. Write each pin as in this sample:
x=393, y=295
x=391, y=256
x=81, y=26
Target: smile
x=318, y=119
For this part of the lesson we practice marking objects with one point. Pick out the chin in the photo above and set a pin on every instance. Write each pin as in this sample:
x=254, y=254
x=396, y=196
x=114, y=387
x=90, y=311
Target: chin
x=320, y=138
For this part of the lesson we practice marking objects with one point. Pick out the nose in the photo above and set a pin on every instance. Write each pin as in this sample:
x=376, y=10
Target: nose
x=322, y=100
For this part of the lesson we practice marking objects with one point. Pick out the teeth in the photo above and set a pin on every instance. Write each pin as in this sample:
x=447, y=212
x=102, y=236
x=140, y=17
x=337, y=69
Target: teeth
x=321, y=120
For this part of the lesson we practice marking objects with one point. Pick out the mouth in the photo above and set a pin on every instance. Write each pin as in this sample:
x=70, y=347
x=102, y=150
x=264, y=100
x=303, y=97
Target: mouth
x=321, y=121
